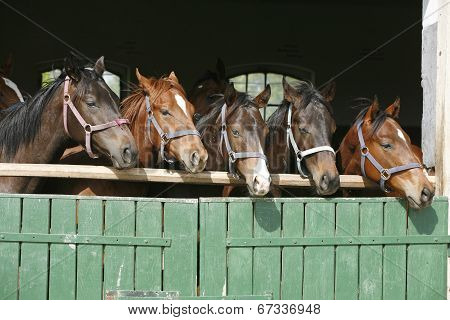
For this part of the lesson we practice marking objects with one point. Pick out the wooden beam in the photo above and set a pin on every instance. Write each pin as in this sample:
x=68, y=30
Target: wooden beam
x=161, y=175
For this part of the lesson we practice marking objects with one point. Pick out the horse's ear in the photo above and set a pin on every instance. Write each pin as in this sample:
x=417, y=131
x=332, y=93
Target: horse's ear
x=290, y=94
x=373, y=110
x=99, y=67
x=230, y=95
x=7, y=66
x=71, y=66
x=173, y=77
x=262, y=99
x=220, y=68
x=139, y=76
x=328, y=91
x=394, y=109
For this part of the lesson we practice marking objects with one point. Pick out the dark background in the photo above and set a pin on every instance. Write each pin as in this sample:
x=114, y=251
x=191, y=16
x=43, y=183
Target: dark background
x=188, y=36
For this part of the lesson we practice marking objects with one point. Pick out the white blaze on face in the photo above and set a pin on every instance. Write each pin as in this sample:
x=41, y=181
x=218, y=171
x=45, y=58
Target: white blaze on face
x=401, y=135
x=14, y=87
x=181, y=103
x=261, y=167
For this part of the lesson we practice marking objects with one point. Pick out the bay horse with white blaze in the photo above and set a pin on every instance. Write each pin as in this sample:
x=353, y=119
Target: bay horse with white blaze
x=79, y=107
x=378, y=148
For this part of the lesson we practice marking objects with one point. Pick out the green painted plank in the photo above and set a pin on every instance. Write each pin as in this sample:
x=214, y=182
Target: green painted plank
x=33, y=276
x=347, y=263
x=318, y=276
x=180, y=259
x=148, y=268
x=213, y=255
x=267, y=261
x=9, y=252
x=292, y=258
x=240, y=260
x=394, y=256
x=90, y=257
x=119, y=261
x=427, y=264
x=371, y=257
x=63, y=256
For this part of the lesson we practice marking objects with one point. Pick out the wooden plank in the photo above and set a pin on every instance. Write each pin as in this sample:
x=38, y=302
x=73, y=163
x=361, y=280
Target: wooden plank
x=63, y=256
x=394, y=256
x=119, y=261
x=292, y=258
x=213, y=253
x=33, y=276
x=9, y=252
x=319, y=261
x=180, y=259
x=90, y=257
x=347, y=260
x=371, y=257
x=427, y=264
x=148, y=269
x=267, y=261
x=162, y=175
x=240, y=260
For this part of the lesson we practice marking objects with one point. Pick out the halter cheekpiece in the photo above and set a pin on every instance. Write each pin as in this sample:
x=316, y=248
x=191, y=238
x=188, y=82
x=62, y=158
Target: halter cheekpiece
x=301, y=154
x=385, y=174
x=165, y=136
x=88, y=128
x=232, y=155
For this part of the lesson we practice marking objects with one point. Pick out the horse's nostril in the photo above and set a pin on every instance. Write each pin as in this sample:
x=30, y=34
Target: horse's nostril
x=324, y=182
x=195, y=158
x=127, y=155
x=426, y=195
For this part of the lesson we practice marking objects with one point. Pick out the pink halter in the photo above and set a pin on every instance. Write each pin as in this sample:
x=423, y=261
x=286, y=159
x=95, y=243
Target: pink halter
x=88, y=128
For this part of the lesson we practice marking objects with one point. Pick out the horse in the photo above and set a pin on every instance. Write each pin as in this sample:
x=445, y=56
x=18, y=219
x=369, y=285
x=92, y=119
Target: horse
x=9, y=92
x=205, y=90
x=377, y=147
x=300, y=133
x=78, y=106
x=161, y=122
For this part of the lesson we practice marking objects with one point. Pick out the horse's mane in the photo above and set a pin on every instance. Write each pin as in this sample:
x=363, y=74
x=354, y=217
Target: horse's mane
x=380, y=116
x=213, y=116
x=20, y=123
x=132, y=104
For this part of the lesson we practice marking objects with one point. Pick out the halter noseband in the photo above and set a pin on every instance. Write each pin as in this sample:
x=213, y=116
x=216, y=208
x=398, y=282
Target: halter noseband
x=88, y=128
x=385, y=174
x=165, y=137
x=300, y=155
x=232, y=155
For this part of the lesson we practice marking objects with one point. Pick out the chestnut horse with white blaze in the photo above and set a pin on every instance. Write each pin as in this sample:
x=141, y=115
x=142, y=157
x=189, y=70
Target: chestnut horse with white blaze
x=377, y=147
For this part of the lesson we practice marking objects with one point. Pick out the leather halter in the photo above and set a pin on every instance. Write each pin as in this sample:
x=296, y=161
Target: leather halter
x=385, y=174
x=88, y=128
x=165, y=136
x=300, y=155
x=232, y=155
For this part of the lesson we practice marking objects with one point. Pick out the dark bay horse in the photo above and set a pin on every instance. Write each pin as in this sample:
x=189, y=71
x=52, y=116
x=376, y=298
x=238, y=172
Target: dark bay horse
x=9, y=92
x=172, y=114
x=300, y=136
x=204, y=92
x=79, y=107
x=376, y=146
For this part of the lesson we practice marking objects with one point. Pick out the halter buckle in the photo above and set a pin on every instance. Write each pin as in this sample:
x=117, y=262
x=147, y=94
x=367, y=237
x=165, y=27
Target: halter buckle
x=364, y=151
x=88, y=128
x=164, y=138
x=385, y=175
x=232, y=156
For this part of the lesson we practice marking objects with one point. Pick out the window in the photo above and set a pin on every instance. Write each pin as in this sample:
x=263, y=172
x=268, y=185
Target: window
x=111, y=79
x=254, y=83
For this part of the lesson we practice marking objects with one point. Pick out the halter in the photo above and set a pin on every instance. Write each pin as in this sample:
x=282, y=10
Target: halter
x=385, y=174
x=165, y=137
x=88, y=128
x=232, y=155
x=299, y=153
x=14, y=87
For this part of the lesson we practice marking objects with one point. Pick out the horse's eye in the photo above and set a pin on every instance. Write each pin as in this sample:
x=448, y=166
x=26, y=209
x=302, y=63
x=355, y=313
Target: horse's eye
x=386, y=145
x=303, y=130
x=235, y=132
x=90, y=104
x=165, y=112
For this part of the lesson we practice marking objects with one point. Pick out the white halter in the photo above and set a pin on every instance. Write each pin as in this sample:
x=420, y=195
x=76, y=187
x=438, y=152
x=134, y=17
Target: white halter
x=300, y=155
x=14, y=87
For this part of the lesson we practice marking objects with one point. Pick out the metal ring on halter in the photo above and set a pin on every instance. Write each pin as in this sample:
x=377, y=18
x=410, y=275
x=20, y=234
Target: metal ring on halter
x=232, y=156
x=88, y=128
x=66, y=97
x=364, y=151
x=385, y=174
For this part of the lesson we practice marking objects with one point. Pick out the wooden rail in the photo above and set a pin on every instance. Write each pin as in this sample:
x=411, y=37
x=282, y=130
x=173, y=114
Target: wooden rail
x=162, y=175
